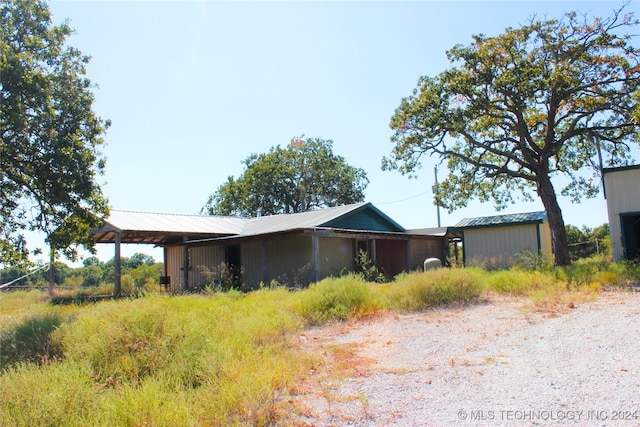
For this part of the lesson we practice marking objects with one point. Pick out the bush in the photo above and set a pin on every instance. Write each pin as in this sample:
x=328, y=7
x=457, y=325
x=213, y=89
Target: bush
x=418, y=291
x=336, y=299
x=519, y=282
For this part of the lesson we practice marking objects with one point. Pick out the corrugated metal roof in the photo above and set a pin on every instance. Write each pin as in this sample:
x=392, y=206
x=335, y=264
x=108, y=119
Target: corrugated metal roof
x=155, y=228
x=199, y=224
x=297, y=221
x=488, y=221
x=433, y=231
x=140, y=227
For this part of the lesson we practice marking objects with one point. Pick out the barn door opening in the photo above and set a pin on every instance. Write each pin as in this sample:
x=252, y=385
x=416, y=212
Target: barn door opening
x=631, y=235
x=232, y=259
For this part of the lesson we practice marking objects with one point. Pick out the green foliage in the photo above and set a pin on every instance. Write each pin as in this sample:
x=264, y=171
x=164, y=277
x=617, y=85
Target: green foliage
x=49, y=156
x=304, y=176
x=368, y=269
x=140, y=274
x=522, y=107
x=585, y=242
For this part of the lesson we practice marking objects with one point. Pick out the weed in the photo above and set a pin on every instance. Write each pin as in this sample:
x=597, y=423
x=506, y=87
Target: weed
x=337, y=299
x=33, y=340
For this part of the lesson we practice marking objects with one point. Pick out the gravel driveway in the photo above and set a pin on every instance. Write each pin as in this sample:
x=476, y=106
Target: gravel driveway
x=494, y=364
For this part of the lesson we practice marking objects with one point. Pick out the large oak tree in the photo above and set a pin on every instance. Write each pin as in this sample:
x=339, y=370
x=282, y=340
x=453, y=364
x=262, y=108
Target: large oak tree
x=49, y=135
x=303, y=176
x=520, y=108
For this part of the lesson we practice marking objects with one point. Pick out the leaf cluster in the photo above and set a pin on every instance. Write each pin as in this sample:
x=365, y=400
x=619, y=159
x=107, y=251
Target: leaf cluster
x=523, y=106
x=303, y=176
x=49, y=135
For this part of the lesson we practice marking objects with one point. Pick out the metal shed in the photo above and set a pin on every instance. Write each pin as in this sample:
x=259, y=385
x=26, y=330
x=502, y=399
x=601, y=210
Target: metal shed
x=500, y=237
x=622, y=192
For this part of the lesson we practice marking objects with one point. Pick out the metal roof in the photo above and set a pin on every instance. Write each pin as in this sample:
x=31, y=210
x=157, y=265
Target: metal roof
x=155, y=228
x=509, y=219
x=297, y=221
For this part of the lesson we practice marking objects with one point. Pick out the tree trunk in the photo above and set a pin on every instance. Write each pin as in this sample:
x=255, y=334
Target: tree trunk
x=547, y=194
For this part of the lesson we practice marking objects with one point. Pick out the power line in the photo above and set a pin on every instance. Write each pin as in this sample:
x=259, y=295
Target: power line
x=404, y=200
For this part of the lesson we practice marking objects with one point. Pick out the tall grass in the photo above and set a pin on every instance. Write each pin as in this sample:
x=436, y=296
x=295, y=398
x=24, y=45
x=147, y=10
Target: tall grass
x=337, y=299
x=418, y=291
x=219, y=358
x=160, y=360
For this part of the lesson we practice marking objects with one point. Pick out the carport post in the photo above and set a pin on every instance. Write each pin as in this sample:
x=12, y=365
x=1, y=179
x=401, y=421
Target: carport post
x=116, y=267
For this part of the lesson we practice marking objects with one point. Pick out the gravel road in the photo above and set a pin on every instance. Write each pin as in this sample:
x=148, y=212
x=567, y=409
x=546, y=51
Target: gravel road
x=500, y=363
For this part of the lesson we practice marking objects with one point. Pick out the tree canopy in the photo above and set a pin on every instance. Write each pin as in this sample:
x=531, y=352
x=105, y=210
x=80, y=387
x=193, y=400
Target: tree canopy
x=50, y=137
x=303, y=176
x=522, y=107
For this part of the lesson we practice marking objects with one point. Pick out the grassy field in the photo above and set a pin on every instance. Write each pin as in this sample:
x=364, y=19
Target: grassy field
x=220, y=358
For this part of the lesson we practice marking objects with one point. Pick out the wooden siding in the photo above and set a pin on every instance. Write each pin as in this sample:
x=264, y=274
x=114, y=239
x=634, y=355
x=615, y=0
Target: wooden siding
x=422, y=248
x=391, y=256
x=289, y=260
x=499, y=242
x=204, y=262
x=623, y=197
x=336, y=256
x=364, y=220
x=546, y=241
x=174, y=267
x=253, y=265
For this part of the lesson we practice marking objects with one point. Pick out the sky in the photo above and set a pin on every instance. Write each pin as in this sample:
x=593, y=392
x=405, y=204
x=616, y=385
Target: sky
x=192, y=88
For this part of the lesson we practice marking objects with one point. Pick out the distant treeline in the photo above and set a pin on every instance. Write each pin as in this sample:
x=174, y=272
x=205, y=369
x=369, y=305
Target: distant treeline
x=140, y=268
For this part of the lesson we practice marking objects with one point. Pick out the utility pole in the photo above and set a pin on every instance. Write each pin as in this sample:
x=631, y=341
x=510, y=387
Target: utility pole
x=435, y=170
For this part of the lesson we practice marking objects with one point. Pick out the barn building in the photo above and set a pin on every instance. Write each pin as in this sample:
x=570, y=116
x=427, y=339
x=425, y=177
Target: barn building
x=296, y=248
x=622, y=191
x=500, y=237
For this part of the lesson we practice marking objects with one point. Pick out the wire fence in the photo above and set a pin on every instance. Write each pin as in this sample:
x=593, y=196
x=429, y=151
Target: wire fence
x=16, y=280
x=587, y=248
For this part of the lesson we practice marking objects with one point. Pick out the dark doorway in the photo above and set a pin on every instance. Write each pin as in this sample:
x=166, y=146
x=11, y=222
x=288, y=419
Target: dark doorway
x=232, y=258
x=631, y=235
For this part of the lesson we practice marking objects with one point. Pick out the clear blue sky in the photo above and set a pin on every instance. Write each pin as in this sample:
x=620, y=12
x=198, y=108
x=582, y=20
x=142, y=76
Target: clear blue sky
x=192, y=88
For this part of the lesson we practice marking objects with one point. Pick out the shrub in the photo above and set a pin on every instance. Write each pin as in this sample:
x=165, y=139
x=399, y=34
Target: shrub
x=336, y=299
x=418, y=291
x=519, y=282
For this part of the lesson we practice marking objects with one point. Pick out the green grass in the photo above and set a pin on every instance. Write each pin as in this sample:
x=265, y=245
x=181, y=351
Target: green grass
x=219, y=358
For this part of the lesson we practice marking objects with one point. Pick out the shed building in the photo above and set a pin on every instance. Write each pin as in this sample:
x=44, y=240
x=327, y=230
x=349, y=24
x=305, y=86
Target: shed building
x=500, y=237
x=622, y=191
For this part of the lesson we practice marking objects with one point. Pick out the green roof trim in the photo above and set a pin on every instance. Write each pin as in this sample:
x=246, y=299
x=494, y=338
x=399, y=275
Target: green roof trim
x=498, y=220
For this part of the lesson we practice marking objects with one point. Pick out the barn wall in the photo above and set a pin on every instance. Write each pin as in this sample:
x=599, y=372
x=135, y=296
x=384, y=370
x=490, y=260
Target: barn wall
x=622, y=197
x=174, y=267
x=499, y=242
x=391, y=256
x=546, y=241
x=422, y=248
x=336, y=255
x=205, y=262
x=253, y=267
x=289, y=260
